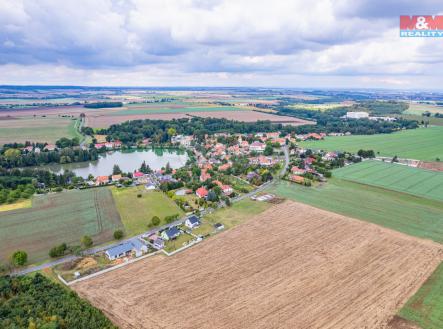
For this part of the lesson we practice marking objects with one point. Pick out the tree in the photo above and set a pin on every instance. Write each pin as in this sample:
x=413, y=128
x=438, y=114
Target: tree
x=145, y=168
x=171, y=132
x=19, y=258
x=168, y=168
x=268, y=150
x=116, y=170
x=58, y=251
x=86, y=241
x=212, y=196
x=118, y=234
x=155, y=221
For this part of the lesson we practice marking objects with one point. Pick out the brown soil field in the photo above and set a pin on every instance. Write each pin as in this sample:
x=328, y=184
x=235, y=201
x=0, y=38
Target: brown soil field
x=436, y=166
x=292, y=266
x=252, y=116
x=104, y=121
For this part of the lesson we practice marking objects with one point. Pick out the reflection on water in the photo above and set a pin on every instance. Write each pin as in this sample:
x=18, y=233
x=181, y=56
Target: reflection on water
x=128, y=161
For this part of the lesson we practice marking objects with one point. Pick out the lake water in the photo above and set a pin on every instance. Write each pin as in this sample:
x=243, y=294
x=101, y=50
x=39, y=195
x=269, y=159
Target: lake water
x=128, y=161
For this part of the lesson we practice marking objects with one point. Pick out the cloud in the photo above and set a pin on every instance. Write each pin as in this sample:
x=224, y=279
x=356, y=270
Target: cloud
x=189, y=40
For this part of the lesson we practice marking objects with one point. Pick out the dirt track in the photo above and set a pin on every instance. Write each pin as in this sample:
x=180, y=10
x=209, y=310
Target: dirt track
x=293, y=266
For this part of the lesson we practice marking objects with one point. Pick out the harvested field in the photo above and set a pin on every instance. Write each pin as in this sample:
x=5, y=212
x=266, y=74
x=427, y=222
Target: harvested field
x=104, y=121
x=293, y=266
x=248, y=116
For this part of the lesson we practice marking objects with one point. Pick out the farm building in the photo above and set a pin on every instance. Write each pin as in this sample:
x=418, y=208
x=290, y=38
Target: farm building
x=170, y=233
x=126, y=248
x=192, y=221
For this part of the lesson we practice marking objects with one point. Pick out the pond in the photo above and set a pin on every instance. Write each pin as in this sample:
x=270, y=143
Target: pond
x=128, y=161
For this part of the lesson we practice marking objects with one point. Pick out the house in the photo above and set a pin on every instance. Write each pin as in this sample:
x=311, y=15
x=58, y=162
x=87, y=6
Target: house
x=257, y=147
x=204, y=176
x=192, y=222
x=116, y=178
x=227, y=189
x=225, y=166
x=126, y=248
x=297, y=171
x=159, y=243
x=201, y=192
x=49, y=147
x=28, y=148
x=99, y=145
x=170, y=234
x=137, y=174
x=297, y=179
x=101, y=180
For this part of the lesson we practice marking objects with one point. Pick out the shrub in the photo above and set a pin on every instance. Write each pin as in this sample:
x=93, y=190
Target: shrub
x=86, y=241
x=19, y=258
x=118, y=234
x=155, y=221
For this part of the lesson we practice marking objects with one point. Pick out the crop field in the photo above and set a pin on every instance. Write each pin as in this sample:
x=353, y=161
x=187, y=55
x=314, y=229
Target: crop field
x=293, y=266
x=419, y=109
x=419, y=182
x=252, y=116
x=36, y=129
x=421, y=144
x=104, y=121
x=57, y=218
x=136, y=213
x=425, y=308
x=182, y=109
x=402, y=212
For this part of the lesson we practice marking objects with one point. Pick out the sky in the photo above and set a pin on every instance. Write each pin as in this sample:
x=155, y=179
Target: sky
x=296, y=43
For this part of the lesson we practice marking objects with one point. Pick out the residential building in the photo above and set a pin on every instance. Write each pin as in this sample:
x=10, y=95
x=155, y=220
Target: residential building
x=201, y=192
x=170, y=233
x=192, y=222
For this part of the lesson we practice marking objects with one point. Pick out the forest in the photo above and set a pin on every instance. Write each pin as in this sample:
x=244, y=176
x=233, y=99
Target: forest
x=36, y=302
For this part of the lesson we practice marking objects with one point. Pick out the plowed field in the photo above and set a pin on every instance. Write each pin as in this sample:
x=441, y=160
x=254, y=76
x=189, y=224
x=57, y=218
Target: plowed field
x=293, y=266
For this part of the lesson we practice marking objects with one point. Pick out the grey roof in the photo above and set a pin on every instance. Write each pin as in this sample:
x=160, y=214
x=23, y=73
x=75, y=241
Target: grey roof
x=120, y=249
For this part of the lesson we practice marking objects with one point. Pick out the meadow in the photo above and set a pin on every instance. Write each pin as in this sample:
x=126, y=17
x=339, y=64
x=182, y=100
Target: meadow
x=403, y=212
x=425, y=308
x=136, y=212
x=38, y=129
x=421, y=144
x=419, y=109
x=419, y=182
x=57, y=218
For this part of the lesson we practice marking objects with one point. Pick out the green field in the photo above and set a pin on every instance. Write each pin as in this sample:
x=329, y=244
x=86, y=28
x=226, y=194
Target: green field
x=56, y=218
x=419, y=182
x=37, y=129
x=418, y=109
x=406, y=213
x=136, y=213
x=422, y=143
x=425, y=308
x=167, y=109
x=238, y=213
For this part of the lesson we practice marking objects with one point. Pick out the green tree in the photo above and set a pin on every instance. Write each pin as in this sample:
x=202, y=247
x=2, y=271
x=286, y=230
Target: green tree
x=118, y=234
x=171, y=132
x=268, y=150
x=155, y=221
x=86, y=241
x=116, y=170
x=19, y=258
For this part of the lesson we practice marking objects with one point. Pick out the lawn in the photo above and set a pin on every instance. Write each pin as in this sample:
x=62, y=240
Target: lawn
x=419, y=182
x=38, y=129
x=179, y=242
x=136, y=213
x=406, y=213
x=238, y=213
x=425, y=308
x=422, y=143
x=56, y=218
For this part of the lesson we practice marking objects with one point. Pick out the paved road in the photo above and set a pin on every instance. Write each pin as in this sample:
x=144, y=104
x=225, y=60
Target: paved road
x=154, y=230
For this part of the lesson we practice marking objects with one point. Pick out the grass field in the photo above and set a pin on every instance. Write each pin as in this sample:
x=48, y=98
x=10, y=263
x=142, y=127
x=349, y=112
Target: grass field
x=419, y=182
x=399, y=211
x=422, y=143
x=425, y=308
x=57, y=218
x=238, y=213
x=136, y=213
x=37, y=129
x=432, y=120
